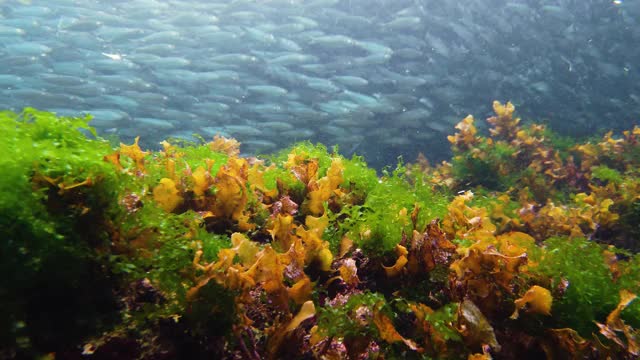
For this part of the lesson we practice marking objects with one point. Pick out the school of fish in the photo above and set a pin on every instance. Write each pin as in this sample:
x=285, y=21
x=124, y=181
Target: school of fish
x=381, y=78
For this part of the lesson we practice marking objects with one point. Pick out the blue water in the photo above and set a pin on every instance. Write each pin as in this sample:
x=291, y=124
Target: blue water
x=378, y=78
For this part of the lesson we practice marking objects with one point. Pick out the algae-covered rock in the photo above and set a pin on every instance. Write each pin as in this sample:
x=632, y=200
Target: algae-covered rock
x=58, y=199
x=524, y=244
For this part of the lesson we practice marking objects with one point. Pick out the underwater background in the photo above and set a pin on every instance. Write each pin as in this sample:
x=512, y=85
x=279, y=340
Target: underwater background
x=136, y=222
x=379, y=78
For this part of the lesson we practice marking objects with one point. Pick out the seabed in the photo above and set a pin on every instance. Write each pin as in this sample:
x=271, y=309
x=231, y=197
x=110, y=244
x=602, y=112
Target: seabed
x=523, y=245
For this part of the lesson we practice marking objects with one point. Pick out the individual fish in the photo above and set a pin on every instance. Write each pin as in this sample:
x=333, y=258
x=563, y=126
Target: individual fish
x=333, y=42
x=153, y=124
x=108, y=118
x=11, y=31
x=293, y=59
x=27, y=48
x=267, y=90
x=353, y=81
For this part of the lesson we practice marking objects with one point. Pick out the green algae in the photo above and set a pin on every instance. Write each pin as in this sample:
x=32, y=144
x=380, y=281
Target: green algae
x=443, y=319
x=358, y=177
x=388, y=207
x=473, y=171
x=351, y=319
x=50, y=254
x=606, y=174
x=382, y=215
x=589, y=292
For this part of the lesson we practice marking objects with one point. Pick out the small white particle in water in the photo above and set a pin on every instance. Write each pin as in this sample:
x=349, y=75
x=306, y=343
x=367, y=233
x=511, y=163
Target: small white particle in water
x=113, y=56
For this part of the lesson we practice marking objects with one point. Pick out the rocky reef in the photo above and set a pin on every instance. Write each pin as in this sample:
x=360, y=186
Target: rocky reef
x=524, y=245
